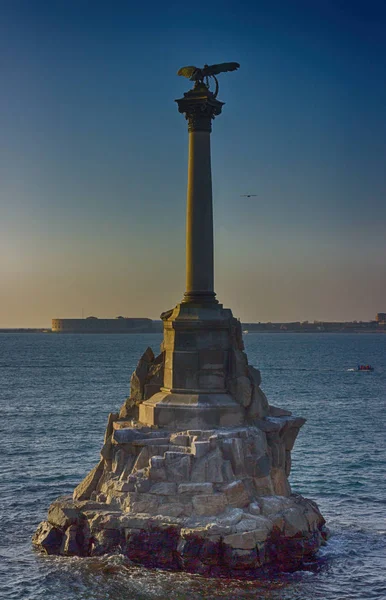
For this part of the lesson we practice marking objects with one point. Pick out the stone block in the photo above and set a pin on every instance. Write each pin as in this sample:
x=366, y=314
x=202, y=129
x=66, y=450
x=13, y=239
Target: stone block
x=278, y=522
x=160, y=441
x=135, y=521
x=209, y=504
x=178, y=466
x=136, y=388
x=212, y=359
x=241, y=390
x=259, y=407
x=195, y=488
x=174, y=509
x=48, y=538
x=119, y=461
x=105, y=520
x=165, y=488
x=262, y=529
x=157, y=474
x=213, y=441
x=280, y=482
x=264, y=486
x=245, y=525
x=211, y=380
x=128, y=467
x=141, y=503
x=109, y=429
x=180, y=439
x=185, y=341
x=156, y=371
x=242, y=541
x=63, y=513
x=277, y=450
x=183, y=360
x=142, y=459
x=314, y=518
x=204, y=434
x=256, y=442
x=183, y=449
x=142, y=485
x=227, y=471
x=254, y=508
x=231, y=517
x=196, y=433
x=183, y=366
x=254, y=375
x=125, y=486
x=72, y=542
x=157, y=462
x=219, y=529
x=139, y=376
x=288, y=463
x=296, y=523
x=232, y=450
x=263, y=466
x=238, y=363
x=270, y=505
x=106, y=541
x=236, y=494
x=240, y=560
x=194, y=532
x=125, y=434
x=168, y=377
x=291, y=431
x=89, y=484
x=199, y=470
x=163, y=522
x=168, y=339
x=200, y=448
x=214, y=462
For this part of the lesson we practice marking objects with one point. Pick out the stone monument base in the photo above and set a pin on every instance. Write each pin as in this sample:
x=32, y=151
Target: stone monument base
x=196, y=410
x=214, y=502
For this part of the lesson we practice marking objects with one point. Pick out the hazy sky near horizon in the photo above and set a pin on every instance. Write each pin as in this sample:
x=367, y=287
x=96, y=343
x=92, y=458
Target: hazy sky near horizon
x=93, y=157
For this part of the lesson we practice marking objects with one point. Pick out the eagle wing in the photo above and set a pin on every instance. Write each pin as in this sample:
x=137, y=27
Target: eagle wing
x=187, y=71
x=221, y=68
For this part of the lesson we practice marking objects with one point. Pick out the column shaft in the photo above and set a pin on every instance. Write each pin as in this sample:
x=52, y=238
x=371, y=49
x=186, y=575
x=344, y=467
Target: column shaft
x=199, y=221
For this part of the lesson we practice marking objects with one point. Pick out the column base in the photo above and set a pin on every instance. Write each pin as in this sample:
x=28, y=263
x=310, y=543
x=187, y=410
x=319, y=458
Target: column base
x=200, y=298
x=196, y=410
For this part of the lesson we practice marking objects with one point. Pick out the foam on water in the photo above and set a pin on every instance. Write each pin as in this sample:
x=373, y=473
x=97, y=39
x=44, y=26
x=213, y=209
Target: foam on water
x=56, y=392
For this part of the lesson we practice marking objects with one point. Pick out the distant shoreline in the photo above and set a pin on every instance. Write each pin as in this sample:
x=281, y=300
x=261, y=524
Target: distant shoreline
x=252, y=330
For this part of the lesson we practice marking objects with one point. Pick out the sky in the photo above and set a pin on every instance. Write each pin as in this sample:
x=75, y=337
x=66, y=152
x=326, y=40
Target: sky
x=93, y=157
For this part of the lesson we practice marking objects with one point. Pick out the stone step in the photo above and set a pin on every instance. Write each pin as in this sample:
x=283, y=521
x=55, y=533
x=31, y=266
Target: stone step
x=152, y=442
x=127, y=435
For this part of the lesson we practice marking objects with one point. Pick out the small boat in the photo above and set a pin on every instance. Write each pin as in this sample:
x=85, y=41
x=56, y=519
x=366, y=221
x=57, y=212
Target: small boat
x=365, y=368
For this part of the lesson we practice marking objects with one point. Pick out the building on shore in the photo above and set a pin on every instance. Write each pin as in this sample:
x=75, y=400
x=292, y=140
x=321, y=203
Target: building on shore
x=95, y=325
x=380, y=318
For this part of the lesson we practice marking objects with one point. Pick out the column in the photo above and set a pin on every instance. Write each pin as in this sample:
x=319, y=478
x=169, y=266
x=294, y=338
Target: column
x=200, y=107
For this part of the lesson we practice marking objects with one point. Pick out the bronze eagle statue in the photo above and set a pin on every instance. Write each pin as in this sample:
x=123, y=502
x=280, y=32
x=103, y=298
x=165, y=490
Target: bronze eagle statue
x=199, y=75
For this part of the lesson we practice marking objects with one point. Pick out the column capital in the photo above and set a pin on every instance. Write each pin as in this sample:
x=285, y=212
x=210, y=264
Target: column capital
x=199, y=106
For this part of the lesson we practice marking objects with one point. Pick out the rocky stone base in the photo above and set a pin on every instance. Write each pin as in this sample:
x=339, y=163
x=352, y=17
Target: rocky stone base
x=211, y=500
x=215, y=502
x=274, y=533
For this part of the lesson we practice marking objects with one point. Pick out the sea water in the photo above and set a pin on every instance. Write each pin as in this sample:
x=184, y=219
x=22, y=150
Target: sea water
x=56, y=392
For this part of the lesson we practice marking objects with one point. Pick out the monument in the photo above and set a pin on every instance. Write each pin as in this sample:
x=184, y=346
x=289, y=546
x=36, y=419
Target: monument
x=193, y=473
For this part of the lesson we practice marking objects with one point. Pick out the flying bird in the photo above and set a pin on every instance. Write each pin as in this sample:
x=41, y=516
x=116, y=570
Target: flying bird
x=248, y=195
